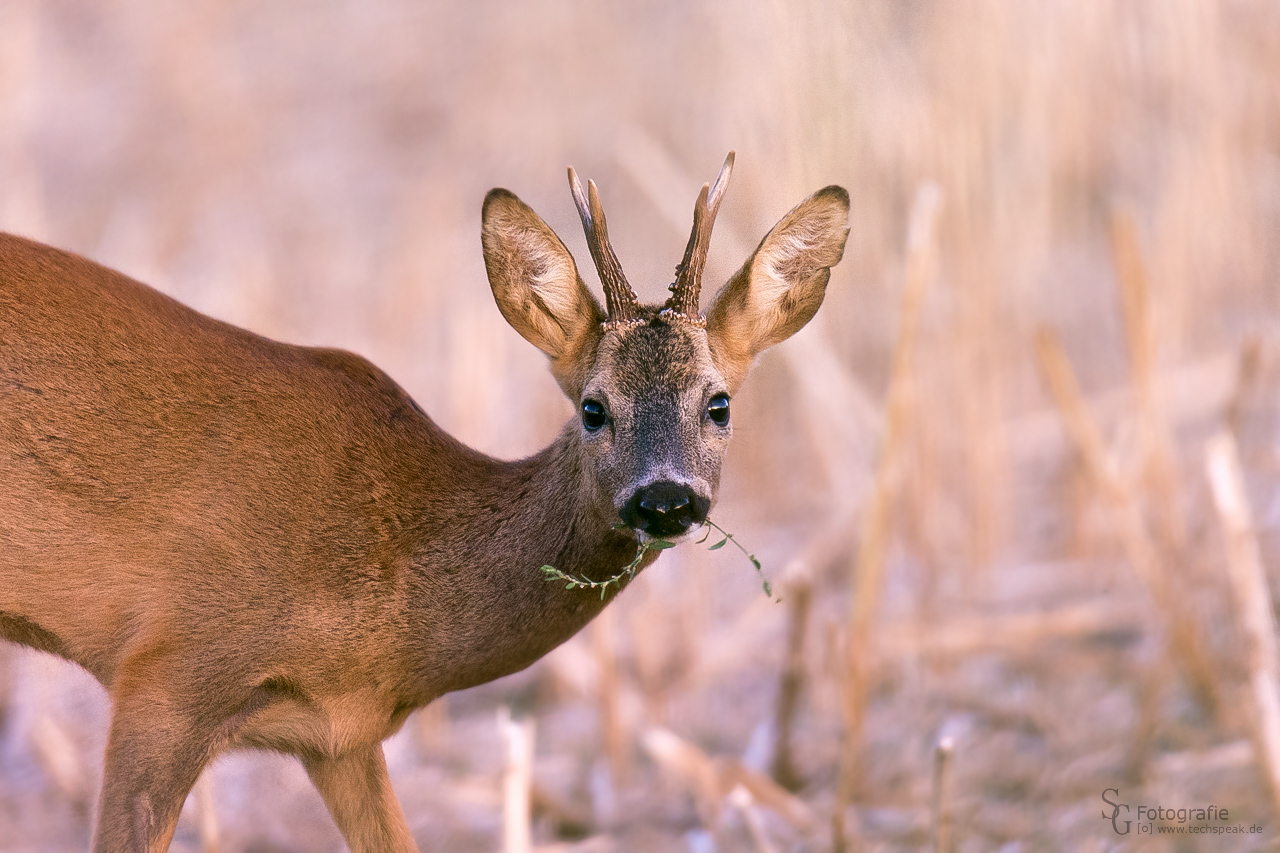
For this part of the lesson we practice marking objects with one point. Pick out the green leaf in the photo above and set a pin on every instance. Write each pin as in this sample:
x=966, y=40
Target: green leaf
x=768, y=590
x=754, y=561
x=719, y=544
x=660, y=545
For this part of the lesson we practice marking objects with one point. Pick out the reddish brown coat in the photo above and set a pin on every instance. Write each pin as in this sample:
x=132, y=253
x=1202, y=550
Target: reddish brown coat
x=256, y=544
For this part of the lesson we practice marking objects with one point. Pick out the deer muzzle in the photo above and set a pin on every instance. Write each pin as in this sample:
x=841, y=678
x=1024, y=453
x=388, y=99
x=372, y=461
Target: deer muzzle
x=665, y=509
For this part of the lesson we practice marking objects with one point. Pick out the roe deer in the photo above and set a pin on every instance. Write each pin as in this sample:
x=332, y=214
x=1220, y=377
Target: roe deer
x=252, y=544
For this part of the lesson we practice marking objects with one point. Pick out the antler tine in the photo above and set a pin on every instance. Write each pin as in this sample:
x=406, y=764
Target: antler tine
x=580, y=201
x=620, y=299
x=721, y=184
x=688, y=284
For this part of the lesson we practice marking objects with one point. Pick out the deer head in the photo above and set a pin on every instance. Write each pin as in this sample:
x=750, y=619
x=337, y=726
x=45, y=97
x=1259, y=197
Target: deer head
x=653, y=383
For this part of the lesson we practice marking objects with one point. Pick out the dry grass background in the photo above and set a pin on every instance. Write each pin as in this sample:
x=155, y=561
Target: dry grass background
x=1040, y=564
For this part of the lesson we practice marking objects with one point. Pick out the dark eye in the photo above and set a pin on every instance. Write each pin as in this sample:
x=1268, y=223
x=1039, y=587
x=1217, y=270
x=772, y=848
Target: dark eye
x=593, y=416
x=718, y=410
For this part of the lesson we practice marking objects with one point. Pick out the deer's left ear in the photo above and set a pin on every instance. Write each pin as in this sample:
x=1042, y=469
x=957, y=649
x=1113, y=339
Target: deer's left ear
x=781, y=285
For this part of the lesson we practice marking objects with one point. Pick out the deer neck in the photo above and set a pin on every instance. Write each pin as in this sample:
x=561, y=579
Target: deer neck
x=487, y=575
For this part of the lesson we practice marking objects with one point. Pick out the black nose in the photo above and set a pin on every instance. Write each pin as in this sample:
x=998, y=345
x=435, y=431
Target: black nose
x=665, y=509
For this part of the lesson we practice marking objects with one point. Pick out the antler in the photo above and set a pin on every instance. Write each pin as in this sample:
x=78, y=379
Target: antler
x=688, y=285
x=620, y=299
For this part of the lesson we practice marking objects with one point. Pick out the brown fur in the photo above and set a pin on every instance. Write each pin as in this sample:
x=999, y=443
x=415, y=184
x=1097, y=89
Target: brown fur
x=252, y=544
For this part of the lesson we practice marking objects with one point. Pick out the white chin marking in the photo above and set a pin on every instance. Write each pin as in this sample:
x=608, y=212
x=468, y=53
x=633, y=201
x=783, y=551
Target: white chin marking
x=679, y=537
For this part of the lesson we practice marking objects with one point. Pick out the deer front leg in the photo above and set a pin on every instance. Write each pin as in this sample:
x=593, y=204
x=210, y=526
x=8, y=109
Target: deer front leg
x=356, y=788
x=155, y=751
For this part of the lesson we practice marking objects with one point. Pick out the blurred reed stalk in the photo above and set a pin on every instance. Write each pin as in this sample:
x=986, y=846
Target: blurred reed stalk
x=207, y=814
x=6, y=681
x=741, y=799
x=616, y=743
x=567, y=816
x=665, y=658
x=57, y=752
x=1154, y=670
x=1253, y=605
x=869, y=564
x=812, y=566
x=797, y=591
x=22, y=204
x=715, y=780
x=1176, y=624
x=517, y=783
x=1248, y=376
x=1157, y=471
x=1156, y=458
x=943, y=837
x=431, y=724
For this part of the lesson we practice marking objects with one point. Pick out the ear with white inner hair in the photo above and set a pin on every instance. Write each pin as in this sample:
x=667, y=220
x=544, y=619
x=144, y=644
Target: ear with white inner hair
x=536, y=283
x=781, y=285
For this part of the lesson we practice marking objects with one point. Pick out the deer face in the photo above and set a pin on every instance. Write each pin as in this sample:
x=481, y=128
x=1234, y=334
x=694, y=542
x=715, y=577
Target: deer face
x=654, y=425
x=653, y=384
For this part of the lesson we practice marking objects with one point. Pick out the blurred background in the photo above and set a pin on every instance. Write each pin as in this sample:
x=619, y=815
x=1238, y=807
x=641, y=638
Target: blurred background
x=977, y=481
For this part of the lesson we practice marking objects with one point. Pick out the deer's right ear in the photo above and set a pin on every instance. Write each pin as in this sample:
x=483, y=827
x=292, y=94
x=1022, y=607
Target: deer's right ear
x=781, y=285
x=534, y=279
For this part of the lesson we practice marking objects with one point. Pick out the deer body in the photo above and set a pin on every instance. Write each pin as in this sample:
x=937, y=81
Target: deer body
x=252, y=544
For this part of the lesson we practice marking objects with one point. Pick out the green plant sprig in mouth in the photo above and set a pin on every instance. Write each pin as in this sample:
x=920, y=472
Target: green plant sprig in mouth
x=629, y=570
x=728, y=537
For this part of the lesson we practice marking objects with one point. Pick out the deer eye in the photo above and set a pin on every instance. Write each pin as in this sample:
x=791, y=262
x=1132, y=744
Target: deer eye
x=718, y=410
x=593, y=415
